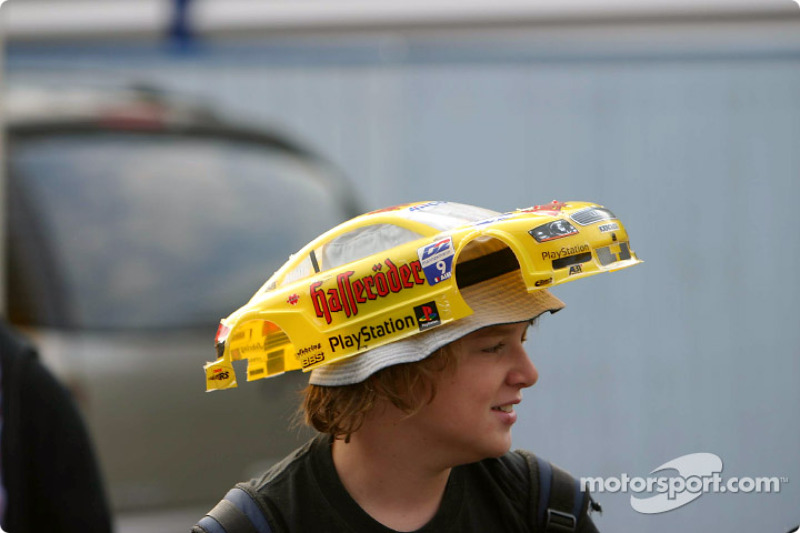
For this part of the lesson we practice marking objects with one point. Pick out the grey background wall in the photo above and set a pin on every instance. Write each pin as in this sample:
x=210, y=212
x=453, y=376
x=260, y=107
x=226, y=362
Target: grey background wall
x=691, y=135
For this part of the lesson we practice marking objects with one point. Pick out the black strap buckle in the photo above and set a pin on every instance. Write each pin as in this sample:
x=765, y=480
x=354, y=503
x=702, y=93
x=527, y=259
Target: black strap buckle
x=558, y=522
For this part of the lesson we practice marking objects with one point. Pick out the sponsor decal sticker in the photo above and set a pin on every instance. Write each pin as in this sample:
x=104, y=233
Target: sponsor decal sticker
x=347, y=294
x=611, y=226
x=389, y=209
x=425, y=206
x=310, y=355
x=427, y=315
x=308, y=349
x=437, y=260
x=575, y=269
x=543, y=282
x=504, y=216
x=293, y=299
x=565, y=251
x=553, y=208
x=312, y=359
x=409, y=206
x=219, y=375
x=361, y=338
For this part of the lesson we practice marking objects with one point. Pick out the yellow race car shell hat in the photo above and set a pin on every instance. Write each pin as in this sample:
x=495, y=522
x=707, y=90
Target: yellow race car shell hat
x=499, y=299
x=394, y=285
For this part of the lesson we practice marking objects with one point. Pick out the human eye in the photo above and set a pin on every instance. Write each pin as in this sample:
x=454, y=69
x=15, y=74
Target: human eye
x=495, y=348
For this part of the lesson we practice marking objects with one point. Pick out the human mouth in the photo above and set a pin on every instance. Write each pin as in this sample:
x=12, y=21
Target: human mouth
x=506, y=413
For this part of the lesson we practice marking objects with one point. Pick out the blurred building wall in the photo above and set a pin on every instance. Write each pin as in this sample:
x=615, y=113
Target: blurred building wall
x=689, y=131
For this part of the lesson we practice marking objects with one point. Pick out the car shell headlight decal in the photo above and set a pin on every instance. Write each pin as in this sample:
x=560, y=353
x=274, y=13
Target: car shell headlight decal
x=593, y=214
x=553, y=230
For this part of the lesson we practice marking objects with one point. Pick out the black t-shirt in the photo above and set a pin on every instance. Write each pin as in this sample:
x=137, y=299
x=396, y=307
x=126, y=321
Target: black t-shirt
x=303, y=493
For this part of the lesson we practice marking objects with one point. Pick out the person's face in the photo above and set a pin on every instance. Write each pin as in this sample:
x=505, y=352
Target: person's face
x=471, y=416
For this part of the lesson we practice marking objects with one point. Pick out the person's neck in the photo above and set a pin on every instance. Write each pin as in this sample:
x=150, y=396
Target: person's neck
x=391, y=475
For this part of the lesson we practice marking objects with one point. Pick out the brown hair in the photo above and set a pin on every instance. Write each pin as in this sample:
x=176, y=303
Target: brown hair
x=340, y=410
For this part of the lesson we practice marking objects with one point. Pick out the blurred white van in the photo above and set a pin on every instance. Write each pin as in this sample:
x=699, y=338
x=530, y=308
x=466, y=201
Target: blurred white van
x=134, y=222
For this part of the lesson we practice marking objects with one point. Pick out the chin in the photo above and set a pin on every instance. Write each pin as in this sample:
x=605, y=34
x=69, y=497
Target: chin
x=497, y=449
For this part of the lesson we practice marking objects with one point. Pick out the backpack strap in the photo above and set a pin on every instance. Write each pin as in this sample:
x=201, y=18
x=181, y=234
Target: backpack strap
x=237, y=512
x=560, y=499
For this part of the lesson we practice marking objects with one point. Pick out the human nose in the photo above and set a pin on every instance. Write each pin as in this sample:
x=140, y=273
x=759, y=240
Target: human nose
x=523, y=373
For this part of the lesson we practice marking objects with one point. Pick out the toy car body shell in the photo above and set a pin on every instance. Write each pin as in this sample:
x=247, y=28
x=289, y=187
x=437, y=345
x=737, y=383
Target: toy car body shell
x=310, y=314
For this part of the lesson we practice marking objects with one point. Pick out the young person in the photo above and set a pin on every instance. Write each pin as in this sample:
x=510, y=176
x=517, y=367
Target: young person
x=415, y=434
